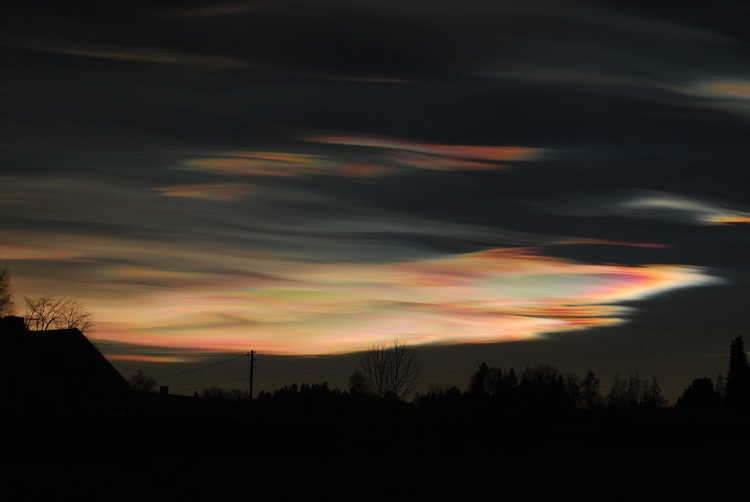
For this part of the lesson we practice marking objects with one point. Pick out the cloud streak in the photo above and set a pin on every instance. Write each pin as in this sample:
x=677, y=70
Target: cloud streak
x=669, y=206
x=389, y=157
x=207, y=191
x=148, y=55
x=491, y=153
x=652, y=205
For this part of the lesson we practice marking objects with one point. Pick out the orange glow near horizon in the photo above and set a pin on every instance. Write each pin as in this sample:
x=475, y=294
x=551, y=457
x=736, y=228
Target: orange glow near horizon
x=146, y=358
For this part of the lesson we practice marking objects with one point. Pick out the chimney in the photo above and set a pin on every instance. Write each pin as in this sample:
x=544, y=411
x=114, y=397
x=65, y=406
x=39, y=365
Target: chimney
x=163, y=390
x=12, y=324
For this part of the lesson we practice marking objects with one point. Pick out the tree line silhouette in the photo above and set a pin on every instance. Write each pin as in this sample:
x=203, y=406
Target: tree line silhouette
x=385, y=374
x=501, y=410
x=389, y=374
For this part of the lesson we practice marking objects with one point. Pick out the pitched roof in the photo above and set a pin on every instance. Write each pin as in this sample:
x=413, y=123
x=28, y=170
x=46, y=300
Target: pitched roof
x=61, y=369
x=69, y=352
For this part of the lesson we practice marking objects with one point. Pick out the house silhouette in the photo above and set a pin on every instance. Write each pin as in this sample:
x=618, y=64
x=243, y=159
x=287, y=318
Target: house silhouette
x=58, y=372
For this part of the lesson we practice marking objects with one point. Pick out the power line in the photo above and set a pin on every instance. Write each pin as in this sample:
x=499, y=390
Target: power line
x=190, y=370
x=198, y=384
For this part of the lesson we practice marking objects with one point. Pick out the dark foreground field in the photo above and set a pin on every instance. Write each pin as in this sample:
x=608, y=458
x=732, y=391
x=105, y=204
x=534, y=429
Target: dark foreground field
x=282, y=455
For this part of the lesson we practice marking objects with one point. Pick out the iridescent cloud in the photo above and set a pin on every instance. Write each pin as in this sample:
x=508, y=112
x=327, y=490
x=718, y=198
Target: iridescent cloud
x=363, y=170
x=252, y=163
x=26, y=252
x=722, y=93
x=433, y=162
x=492, y=153
x=719, y=88
x=212, y=296
x=408, y=155
x=239, y=162
x=696, y=211
x=606, y=242
x=207, y=191
x=489, y=296
x=722, y=219
x=157, y=275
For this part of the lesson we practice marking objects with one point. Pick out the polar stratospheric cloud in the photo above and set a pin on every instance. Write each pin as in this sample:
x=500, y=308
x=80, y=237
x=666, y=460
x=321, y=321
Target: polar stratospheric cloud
x=293, y=307
x=317, y=177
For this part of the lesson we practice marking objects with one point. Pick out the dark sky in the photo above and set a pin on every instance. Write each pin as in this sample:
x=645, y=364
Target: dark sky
x=509, y=182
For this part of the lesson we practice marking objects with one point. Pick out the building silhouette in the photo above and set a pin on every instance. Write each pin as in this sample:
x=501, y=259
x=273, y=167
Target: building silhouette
x=58, y=372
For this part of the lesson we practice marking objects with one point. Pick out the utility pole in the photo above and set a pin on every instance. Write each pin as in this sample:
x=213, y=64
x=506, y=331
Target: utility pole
x=252, y=372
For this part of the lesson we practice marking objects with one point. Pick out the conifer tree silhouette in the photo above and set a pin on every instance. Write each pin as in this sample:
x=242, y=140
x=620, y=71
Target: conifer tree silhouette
x=652, y=396
x=721, y=388
x=738, y=378
x=701, y=394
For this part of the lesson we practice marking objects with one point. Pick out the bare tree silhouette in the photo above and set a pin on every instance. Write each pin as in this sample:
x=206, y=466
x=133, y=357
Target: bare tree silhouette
x=140, y=382
x=50, y=312
x=390, y=370
x=6, y=301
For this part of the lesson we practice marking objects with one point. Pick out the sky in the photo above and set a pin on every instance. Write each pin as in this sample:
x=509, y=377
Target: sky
x=554, y=182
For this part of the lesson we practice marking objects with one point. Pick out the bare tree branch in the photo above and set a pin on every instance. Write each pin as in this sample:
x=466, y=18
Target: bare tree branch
x=390, y=370
x=75, y=316
x=50, y=312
